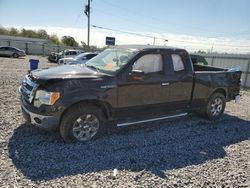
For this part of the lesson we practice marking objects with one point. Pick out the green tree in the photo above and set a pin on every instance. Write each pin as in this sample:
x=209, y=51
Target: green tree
x=201, y=52
x=13, y=31
x=54, y=38
x=69, y=41
x=29, y=33
x=42, y=34
x=3, y=31
x=83, y=44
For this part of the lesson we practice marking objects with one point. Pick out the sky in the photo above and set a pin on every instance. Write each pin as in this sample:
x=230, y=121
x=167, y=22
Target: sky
x=219, y=25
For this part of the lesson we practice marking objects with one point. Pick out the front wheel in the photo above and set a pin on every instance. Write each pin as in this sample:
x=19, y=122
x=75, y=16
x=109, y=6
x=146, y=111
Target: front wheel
x=15, y=55
x=81, y=124
x=215, y=106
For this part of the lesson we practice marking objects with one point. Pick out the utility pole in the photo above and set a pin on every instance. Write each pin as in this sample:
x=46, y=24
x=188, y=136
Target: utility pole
x=212, y=48
x=87, y=12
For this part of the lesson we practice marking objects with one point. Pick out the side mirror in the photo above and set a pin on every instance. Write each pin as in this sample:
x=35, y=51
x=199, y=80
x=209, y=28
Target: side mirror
x=137, y=75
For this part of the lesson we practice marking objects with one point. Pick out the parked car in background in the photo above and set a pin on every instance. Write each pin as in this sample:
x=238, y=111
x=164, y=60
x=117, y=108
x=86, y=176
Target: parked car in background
x=54, y=57
x=14, y=52
x=79, y=59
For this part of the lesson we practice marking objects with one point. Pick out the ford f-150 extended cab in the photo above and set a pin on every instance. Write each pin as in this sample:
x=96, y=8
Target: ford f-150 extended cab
x=125, y=85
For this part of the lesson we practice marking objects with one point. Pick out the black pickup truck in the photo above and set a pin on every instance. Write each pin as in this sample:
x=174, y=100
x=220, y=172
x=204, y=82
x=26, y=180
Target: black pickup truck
x=125, y=85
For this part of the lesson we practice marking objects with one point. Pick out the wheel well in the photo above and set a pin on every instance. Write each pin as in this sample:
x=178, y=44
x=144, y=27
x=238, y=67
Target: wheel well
x=105, y=108
x=222, y=91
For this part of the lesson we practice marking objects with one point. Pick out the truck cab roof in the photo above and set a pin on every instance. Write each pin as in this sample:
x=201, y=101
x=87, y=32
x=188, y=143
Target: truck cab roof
x=145, y=47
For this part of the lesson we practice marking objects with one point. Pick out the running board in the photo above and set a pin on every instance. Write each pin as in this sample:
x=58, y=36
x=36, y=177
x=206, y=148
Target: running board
x=150, y=120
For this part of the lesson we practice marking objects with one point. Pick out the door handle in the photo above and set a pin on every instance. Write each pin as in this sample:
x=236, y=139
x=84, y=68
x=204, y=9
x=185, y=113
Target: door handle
x=165, y=84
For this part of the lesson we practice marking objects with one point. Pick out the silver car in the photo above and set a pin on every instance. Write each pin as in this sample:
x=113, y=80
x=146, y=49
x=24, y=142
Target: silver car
x=8, y=51
x=54, y=57
x=79, y=59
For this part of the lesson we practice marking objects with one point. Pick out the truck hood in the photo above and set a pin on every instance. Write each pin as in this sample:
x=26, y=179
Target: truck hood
x=65, y=72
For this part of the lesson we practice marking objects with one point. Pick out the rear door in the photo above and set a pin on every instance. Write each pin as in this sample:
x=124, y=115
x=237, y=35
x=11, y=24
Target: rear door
x=4, y=51
x=180, y=86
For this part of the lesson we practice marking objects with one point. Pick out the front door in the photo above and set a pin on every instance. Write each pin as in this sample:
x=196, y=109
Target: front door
x=140, y=96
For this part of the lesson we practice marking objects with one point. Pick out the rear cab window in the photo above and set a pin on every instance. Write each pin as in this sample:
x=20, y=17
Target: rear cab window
x=178, y=64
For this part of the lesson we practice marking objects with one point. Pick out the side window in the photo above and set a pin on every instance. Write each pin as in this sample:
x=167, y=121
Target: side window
x=177, y=63
x=91, y=56
x=150, y=63
x=84, y=58
x=73, y=53
x=67, y=53
x=88, y=56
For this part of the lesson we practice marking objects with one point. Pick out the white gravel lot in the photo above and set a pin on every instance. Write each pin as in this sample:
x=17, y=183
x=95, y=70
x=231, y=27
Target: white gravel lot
x=187, y=152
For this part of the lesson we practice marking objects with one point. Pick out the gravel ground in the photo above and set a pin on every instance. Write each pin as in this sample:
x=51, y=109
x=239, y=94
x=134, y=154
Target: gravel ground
x=187, y=152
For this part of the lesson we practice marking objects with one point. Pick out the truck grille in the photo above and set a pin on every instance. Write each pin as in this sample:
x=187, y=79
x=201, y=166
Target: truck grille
x=28, y=89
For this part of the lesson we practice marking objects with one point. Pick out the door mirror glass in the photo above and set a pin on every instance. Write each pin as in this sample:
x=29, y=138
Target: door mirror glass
x=137, y=75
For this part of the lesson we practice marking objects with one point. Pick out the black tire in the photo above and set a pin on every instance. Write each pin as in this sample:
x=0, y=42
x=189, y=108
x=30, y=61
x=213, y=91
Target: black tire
x=15, y=55
x=215, y=106
x=70, y=120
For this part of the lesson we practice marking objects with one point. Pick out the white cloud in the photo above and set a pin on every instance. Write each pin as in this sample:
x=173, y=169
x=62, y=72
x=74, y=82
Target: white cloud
x=191, y=43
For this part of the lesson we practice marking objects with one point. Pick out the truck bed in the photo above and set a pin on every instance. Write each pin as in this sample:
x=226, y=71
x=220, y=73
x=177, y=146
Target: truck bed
x=207, y=68
x=209, y=78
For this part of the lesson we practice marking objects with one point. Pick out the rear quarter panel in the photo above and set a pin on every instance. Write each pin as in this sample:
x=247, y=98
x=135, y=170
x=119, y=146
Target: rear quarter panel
x=206, y=83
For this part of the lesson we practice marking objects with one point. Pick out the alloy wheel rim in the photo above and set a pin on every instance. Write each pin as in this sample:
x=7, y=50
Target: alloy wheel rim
x=85, y=127
x=216, y=106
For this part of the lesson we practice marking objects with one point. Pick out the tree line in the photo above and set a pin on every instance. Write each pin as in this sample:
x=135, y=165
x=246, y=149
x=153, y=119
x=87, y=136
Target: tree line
x=41, y=34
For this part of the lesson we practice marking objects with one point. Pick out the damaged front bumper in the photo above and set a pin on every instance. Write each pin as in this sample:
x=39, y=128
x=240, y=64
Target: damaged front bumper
x=45, y=122
x=42, y=121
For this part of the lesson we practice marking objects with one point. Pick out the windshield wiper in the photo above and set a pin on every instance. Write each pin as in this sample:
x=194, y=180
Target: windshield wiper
x=93, y=67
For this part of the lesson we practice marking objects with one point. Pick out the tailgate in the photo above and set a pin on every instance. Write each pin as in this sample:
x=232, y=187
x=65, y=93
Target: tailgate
x=234, y=84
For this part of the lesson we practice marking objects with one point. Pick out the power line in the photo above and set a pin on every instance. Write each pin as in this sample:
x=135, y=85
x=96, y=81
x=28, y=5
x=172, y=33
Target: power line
x=125, y=9
x=128, y=20
x=77, y=18
x=131, y=33
x=161, y=38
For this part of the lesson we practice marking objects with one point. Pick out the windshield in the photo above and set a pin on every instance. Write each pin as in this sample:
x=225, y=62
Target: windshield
x=111, y=60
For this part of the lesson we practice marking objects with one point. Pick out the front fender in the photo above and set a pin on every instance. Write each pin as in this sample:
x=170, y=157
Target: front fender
x=81, y=95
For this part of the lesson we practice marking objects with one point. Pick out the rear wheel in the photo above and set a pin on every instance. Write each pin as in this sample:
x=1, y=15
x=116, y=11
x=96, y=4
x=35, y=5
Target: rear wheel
x=81, y=124
x=215, y=106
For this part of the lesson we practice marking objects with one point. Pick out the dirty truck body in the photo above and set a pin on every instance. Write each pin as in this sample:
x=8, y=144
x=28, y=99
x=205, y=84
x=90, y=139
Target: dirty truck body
x=120, y=86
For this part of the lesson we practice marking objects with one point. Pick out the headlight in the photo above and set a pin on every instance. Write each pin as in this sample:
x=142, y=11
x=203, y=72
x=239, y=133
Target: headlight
x=44, y=97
